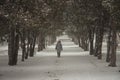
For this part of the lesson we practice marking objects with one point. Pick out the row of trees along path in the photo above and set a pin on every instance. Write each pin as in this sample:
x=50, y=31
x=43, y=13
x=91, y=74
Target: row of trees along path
x=23, y=23
x=74, y=64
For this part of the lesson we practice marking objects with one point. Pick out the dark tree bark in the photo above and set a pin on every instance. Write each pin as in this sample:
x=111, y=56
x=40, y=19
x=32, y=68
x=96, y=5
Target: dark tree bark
x=113, y=46
x=16, y=48
x=40, y=48
x=13, y=46
x=41, y=42
x=31, y=48
x=83, y=40
x=99, y=40
x=100, y=43
x=28, y=45
x=79, y=43
x=96, y=42
x=91, y=39
x=23, y=44
x=108, y=46
x=32, y=44
x=85, y=43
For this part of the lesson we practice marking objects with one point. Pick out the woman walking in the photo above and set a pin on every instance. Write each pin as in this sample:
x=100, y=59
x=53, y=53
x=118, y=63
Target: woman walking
x=58, y=48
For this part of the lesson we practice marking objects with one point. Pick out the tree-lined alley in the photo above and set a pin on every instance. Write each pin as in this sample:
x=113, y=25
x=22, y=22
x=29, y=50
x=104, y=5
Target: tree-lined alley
x=25, y=23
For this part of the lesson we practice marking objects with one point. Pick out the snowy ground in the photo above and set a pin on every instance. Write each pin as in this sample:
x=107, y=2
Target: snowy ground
x=74, y=64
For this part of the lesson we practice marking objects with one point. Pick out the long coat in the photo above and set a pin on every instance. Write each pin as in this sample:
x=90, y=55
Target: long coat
x=59, y=47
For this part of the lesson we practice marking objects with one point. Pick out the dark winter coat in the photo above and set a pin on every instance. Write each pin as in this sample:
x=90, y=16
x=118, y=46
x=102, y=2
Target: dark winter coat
x=59, y=47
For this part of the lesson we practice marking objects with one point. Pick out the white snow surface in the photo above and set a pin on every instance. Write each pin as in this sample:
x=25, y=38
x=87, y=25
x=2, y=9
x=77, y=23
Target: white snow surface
x=74, y=64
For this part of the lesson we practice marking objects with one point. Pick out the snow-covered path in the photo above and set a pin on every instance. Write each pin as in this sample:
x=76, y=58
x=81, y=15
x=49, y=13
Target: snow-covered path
x=74, y=64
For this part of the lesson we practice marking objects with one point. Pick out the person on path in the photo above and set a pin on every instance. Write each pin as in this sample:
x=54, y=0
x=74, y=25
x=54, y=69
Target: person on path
x=59, y=48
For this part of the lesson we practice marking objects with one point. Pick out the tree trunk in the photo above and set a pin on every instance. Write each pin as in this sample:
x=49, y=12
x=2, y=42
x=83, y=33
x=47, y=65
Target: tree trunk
x=32, y=45
x=13, y=46
x=28, y=48
x=100, y=43
x=91, y=39
x=23, y=44
x=96, y=43
x=113, y=47
x=108, y=46
x=41, y=42
x=40, y=48
x=86, y=47
x=99, y=40
x=31, y=48
x=79, y=41
x=16, y=48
